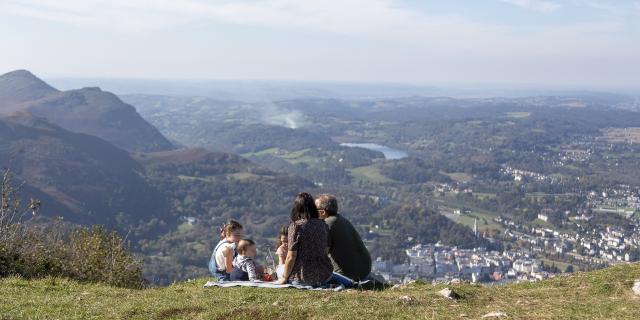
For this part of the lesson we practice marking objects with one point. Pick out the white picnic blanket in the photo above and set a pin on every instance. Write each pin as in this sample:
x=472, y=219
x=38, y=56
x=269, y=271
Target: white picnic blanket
x=263, y=284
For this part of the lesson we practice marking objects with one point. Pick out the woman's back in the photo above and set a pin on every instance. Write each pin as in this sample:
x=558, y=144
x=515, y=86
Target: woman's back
x=309, y=239
x=219, y=253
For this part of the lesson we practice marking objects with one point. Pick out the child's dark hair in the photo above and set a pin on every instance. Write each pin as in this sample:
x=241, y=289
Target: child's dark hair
x=284, y=231
x=229, y=227
x=244, y=244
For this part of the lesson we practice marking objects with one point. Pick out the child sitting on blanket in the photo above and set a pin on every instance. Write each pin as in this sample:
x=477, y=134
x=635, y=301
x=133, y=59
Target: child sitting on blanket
x=283, y=248
x=283, y=241
x=244, y=267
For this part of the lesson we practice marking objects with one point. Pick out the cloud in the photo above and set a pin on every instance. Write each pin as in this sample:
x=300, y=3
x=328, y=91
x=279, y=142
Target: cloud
x=351, y=17
x=619, y=9
x=354, y=40
x=119, y=16
x=535, y=5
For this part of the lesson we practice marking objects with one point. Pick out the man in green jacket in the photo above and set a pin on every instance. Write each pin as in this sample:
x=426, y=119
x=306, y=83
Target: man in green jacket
x=348, y=253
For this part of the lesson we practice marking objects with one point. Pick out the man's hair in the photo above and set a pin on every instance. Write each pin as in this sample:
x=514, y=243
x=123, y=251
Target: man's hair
x=244, y=244
x=303, y=207
x=328, y=203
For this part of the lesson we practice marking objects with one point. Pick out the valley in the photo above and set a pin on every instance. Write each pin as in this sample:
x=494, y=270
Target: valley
x=534, y=178
x=491, y=164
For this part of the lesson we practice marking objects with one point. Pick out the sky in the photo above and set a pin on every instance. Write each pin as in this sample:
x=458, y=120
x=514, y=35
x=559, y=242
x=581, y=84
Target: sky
x=564, y=44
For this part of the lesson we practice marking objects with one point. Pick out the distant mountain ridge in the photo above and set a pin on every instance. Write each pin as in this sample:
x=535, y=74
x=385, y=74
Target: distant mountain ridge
x=78, y=176
x=87, y=110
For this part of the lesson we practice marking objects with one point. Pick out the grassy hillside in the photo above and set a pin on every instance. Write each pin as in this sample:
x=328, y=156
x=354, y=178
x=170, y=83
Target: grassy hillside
x=603, y=294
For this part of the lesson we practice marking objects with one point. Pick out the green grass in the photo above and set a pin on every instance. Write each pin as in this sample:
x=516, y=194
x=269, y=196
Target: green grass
x=294, y=154
x=244, y=176
x=459, y=176
x=293, y=157
x=238, y=176
x=469, y=219
x=450, y=200
x=518, y=115
x=261, y=152
x=537, y=195
x=484, y=196
x=603, y=294
x=541, y=224
x=623, y=211
x=190, y=178
x=369, y=174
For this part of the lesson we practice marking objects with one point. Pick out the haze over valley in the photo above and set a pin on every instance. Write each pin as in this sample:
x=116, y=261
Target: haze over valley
x=167, y=170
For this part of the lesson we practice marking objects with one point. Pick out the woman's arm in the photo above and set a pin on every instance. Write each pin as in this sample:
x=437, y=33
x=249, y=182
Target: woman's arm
x=228, y=259
x=288, y=266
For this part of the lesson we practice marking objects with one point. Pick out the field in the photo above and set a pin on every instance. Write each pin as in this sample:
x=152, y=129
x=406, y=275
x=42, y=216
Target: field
x=603, y=294
x=627, y=135
x=541, y=195
x=518, y=115
x=485, y=221
x=484, y=196
x=459, y=176
x=298, y=157
x=293, y=157
x=485, y=218
x=237, y=176
x=623, y=211
x=369, y=174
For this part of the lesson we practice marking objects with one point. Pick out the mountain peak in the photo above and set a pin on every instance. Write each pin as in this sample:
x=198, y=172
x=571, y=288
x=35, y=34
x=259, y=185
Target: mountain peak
x=20, y=86
x=24, y=77
x=19, y=73
x=97, y=89
x=88, y=110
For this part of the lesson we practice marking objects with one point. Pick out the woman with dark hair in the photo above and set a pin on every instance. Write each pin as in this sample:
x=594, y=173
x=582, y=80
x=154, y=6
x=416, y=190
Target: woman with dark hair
x=307, y=261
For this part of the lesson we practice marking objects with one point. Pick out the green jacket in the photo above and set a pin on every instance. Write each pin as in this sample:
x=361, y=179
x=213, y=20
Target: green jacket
x=348, y=253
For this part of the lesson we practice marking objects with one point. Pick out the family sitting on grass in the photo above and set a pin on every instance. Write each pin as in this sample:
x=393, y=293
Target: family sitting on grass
x=319, y=248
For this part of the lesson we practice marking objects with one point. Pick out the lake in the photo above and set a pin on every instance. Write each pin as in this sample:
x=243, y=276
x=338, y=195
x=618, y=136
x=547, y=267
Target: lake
x=389, y=153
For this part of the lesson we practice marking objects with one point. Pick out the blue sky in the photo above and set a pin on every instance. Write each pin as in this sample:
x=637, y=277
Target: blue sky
x=562, y=44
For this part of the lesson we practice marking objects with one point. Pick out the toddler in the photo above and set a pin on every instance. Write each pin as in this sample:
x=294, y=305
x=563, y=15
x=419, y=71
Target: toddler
x=244, y=267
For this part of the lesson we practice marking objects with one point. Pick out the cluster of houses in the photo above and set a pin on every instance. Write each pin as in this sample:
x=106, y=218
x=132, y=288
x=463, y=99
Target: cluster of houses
x=589, y=245
x=573, y=155
x=440, y=263
x=455, y=188
x=621, y=199
x=521, y=175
